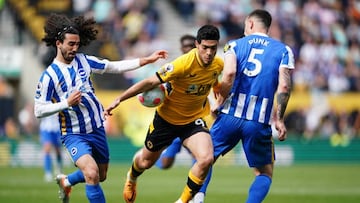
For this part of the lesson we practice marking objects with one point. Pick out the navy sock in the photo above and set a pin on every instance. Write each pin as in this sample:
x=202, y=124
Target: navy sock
x=94, y=193
x=259, y=189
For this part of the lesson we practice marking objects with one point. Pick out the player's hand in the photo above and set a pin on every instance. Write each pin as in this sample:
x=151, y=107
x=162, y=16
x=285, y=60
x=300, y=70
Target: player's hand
x=107, y=111
x=159, y=54
x=216, y=90
x=219, y=100
x=281, y=128
x=74, y=98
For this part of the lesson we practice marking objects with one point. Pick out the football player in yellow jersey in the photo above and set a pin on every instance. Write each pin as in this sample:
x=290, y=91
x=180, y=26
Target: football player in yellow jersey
x=167, y=157
x=188, y=79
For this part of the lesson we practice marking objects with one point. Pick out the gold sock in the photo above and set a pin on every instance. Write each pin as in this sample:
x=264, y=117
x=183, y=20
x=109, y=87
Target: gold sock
x=134, y=172
x=192, y=186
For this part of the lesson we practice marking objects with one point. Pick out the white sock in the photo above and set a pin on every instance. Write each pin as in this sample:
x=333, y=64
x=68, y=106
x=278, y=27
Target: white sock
x=199, y=197
x=48, y=177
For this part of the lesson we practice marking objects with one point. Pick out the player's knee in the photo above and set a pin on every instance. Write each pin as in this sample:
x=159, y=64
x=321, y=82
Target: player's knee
x=205, y=161
x=91, y=175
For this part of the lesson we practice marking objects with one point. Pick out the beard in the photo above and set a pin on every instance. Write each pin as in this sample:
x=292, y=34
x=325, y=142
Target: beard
x=68, y=56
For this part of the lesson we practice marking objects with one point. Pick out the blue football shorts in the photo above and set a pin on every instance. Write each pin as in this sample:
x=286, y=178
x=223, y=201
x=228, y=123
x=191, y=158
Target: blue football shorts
x=256, y=138
x=52, y=137
x=94, y=143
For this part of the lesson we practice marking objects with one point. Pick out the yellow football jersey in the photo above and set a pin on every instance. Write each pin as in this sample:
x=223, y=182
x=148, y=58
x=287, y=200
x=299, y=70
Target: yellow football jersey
x=188, y=84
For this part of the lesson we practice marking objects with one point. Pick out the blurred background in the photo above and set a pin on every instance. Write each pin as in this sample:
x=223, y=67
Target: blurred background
x=323, y=114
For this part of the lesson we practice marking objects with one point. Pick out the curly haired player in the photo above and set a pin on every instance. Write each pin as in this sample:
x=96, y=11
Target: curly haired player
x=65, y=89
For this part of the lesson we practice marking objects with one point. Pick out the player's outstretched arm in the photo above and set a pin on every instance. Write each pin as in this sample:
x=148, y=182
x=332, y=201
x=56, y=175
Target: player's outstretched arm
x=132, y=64
x=137, y=88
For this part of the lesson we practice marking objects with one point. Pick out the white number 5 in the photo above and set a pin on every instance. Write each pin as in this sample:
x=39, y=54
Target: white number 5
x=255, y=61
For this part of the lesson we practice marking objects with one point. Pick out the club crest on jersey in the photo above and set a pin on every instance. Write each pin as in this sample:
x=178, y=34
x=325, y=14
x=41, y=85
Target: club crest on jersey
x=82, y=73
x=149, y=144
x=74, y=151
x=166, y=68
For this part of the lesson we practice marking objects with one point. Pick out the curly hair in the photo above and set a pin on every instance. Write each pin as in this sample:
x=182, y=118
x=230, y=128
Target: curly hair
x=58, y=25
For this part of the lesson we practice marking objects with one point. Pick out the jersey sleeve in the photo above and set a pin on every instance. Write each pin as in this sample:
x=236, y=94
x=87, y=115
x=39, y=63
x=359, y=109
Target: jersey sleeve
x=229, y=47
x=173, y=70
x=288, y=60
x=97, y=65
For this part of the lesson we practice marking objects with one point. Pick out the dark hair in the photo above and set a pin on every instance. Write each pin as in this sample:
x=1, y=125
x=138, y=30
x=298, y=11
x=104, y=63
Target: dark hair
x=208, y=32
x=263, y=15
x=189, y=38
x=58, y=25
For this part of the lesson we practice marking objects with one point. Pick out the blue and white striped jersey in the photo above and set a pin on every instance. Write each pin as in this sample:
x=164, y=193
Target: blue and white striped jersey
x=58, y=81
x=259, y=58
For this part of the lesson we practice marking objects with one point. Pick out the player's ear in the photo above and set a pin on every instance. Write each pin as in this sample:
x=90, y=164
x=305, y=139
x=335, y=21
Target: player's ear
x=57, y=43
x=251, y=24
x=197, y=44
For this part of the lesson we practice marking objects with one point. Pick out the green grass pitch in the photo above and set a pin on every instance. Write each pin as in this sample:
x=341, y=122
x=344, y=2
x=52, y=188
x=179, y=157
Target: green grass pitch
x=291, y=184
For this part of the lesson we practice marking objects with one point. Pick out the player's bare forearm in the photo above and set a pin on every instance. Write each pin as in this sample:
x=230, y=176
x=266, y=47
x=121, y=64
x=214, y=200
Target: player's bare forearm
x=282, y=101
x=283, y=92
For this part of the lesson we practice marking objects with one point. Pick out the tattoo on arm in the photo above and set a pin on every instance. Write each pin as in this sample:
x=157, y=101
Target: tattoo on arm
x=283, y=95
x=282, y=100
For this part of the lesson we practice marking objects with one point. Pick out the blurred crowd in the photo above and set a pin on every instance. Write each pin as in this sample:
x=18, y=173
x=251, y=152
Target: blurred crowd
x=324, y=36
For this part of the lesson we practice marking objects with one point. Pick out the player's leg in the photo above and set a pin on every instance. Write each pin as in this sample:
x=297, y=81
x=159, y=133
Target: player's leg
x=75, y=178
x=56, y=143
x=47, y=162
x=224, y=137
x=157, y=139
x=258, y=147
x=200, y=196
x=45, y=140
x=143, y=159
x=167, y=157
x=89, y=168
x=261, y=184
x=97, y=167
x=92, y=162
x=203, y=153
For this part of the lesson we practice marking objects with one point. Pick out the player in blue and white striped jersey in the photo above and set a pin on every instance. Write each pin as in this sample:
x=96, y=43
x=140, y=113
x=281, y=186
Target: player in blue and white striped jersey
x=65, y=88
x=256, y=68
